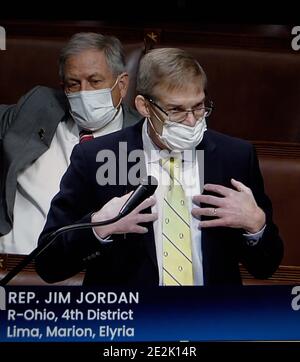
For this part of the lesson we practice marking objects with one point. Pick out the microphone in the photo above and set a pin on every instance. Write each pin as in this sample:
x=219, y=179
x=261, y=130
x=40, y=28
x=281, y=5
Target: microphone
x=144, y=190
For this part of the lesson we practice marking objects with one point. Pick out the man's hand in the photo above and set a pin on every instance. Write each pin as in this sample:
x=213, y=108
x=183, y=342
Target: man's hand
x=236, y=209
x=129, y=223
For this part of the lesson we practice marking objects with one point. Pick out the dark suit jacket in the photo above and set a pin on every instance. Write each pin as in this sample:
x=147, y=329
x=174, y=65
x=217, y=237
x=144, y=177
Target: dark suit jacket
x=131, y=259
x=26, y=132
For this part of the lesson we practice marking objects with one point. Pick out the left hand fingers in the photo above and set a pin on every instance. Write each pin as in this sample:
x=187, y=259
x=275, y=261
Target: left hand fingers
x=211, y=223
x=239, y=186
x=219, y=189
x=208, y=199
x=197, y=212
x=226, y=191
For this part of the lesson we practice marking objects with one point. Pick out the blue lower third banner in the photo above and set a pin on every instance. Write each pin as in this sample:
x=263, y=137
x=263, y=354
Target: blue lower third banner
x=77, y=314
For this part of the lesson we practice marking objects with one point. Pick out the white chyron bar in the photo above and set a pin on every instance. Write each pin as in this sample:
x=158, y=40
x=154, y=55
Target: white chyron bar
x=2, y=38
x=2, y=299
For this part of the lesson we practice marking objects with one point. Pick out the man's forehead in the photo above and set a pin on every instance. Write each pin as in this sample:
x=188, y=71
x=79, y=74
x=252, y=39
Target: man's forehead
x=182, y=96
x=91, y=61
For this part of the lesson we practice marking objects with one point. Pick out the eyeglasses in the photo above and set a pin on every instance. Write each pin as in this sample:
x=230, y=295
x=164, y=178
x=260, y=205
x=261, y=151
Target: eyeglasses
x=180, y=115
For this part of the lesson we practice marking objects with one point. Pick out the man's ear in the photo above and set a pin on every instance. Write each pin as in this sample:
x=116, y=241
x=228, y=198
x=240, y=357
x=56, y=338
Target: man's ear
x=123, y=84
x=142, y=106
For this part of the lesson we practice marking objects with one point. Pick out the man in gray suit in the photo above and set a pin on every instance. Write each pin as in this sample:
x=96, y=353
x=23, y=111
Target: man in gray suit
x=37, y=134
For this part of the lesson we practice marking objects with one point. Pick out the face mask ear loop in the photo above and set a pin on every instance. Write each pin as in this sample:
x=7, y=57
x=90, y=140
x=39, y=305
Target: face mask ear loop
x=111, y=89
x=156, y=116
x=118, y=105
x=152, y=126
x=157, y=134
x=116, y=82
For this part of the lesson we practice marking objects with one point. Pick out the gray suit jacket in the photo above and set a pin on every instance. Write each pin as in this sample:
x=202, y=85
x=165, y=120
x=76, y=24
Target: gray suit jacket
x=26, y=132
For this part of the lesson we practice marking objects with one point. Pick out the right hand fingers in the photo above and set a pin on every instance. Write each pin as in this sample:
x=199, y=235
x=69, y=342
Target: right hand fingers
x=130, y=223
x=124, y=198
x=139, y=218
x=149, y=202
x=117, y=202
x=128, y=227
x=137, y=229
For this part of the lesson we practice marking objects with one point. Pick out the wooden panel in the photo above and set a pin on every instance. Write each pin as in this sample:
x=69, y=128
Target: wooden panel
x=28, y=275
x=280, y=166
x=277, y=149
x=286, y=274
x=217, y=35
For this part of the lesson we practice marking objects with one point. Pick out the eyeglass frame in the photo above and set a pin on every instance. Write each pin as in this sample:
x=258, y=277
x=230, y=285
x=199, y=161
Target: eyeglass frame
x=187, y=111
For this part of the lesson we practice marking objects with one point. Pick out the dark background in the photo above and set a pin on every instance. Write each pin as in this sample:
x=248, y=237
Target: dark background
x=151, y=11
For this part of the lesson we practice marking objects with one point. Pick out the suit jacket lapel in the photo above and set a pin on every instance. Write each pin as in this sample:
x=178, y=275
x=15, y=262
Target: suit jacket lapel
x=212, y=174
x=135, y=142
x=209, y=172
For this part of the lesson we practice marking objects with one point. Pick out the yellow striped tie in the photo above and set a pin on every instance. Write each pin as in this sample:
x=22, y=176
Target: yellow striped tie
x=177, y=253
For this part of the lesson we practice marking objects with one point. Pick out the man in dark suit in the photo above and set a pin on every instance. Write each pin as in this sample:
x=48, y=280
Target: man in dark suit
x=37, y=134
x=181, y=236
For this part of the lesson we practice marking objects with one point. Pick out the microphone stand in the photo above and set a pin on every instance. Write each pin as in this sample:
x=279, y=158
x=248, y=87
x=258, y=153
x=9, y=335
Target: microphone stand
x=49, y=240
x=145, y=189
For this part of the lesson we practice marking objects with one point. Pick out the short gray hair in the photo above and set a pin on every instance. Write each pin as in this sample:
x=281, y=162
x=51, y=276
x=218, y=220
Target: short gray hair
x=110, y=45
x=171, y=67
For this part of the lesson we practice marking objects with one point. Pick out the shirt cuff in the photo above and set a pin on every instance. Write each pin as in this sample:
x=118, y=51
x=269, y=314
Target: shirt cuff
x=102, y=241
x=253, y=239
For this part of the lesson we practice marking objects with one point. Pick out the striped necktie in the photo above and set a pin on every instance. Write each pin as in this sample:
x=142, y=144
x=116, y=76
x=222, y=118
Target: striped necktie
x=177, y=253
x=85, y=135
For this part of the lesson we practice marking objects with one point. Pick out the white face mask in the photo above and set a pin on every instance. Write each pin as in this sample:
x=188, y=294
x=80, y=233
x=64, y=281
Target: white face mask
x=178, y=136
x=93, y=110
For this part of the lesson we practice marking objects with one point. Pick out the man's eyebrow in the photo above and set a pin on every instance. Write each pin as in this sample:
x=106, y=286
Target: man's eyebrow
x=74, y=78
x=172, y=105
x=96, y=75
